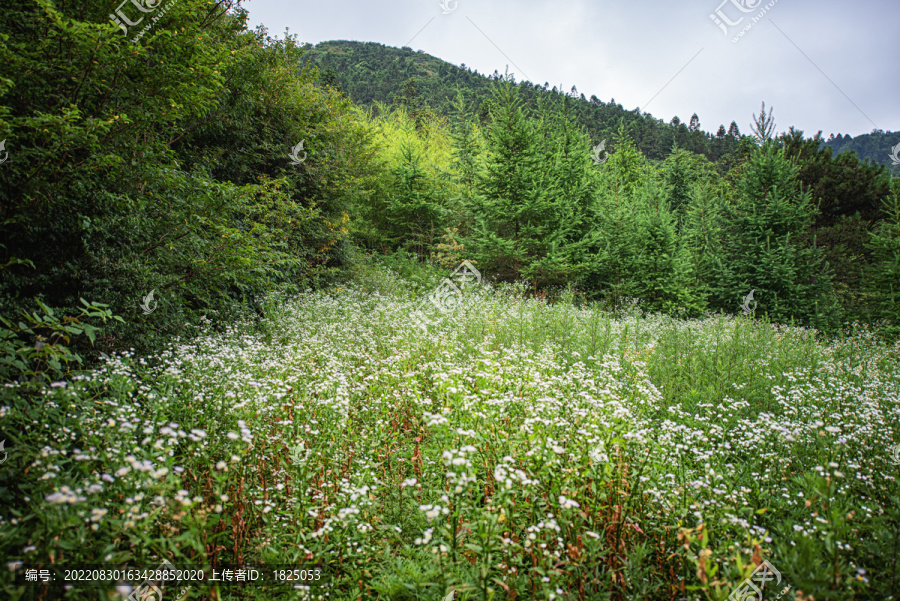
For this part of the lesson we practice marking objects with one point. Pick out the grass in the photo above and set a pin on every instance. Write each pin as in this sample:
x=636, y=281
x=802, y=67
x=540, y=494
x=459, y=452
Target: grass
x=517, y=450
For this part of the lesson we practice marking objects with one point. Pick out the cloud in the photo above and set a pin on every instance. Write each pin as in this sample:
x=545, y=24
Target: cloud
x=829, y=65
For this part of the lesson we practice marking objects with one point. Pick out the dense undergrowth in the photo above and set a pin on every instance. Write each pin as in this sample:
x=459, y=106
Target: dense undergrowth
x=519, y=450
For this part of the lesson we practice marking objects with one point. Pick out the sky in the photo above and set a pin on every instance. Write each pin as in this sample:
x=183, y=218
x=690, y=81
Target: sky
x=823, y=65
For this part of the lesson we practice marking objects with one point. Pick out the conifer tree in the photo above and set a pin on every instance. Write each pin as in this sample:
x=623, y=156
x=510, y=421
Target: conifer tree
x=466, y=143
x=703, y=234
x=414, y=213
x=764, y=245
x=884, y=274
x=763, y=126
x=662, y=274
x=613, y=243
x=568, y=164
x=678, y=180
x=512, y=204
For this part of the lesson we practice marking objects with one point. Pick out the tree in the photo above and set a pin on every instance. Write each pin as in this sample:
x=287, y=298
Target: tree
x=763, y=126
x=329, y=78
x=467, y=148
x=662, y=272
x=695, y=123
x=765, y=245
x=512, y=209
x=884, y=273
x=127, y=177
x=678, y=180
x=703, y=234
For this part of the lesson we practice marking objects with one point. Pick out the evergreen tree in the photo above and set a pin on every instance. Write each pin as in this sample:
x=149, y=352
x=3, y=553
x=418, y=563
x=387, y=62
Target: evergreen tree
x=613, y=244
x=764, y=248
x=678, y=180
x=625, y=166
x=513, y=206
x=884, y=274
x=695, y=123
x=703, y=234
x=662, y=274
x=568, y=189
x=414, y=213
x=466, y=147
x=763, y=126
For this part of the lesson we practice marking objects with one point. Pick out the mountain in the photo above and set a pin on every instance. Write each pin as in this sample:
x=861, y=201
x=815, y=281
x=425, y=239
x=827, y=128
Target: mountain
x=877, y=146
x=369, y=72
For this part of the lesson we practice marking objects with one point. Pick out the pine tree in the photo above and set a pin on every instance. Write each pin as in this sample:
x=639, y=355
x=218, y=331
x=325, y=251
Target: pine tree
x=662, y=274
x=884, y=274
x=703, y=234
x=764, y=248
x=613, y=245
x=414, y=213
x=466, y=147
x=512, y=205
x=695, y=123
x=565, y=150
x=763, y=126
x=678, y=180
x=625, y=166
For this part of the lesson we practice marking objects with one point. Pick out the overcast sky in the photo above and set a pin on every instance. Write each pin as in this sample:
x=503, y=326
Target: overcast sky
x=824, y=65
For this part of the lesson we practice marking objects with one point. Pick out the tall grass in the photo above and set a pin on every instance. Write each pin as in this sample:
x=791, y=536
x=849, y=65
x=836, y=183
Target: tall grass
x=518, y=450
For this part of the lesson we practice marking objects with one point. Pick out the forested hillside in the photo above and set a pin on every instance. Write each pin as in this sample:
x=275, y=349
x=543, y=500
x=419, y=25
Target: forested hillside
x=163, y=166
x=672, y=355
x=877, y=147
x=369, y=72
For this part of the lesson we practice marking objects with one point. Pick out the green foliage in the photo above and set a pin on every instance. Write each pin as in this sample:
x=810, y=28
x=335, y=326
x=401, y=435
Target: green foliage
x=884, y=275
x=765, y=247
x=371, y=73
x=162, y=163
x=663, y=272
x=412, y=195
x=875, y=147
x=37, y=349
x=704, y=230
x=532, y=195
x=519, y=449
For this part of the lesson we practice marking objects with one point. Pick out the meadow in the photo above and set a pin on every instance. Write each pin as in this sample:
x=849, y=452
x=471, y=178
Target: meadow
x=519, y=449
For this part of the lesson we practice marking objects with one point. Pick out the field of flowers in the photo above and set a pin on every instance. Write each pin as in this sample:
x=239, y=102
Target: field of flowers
x=517, y=450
